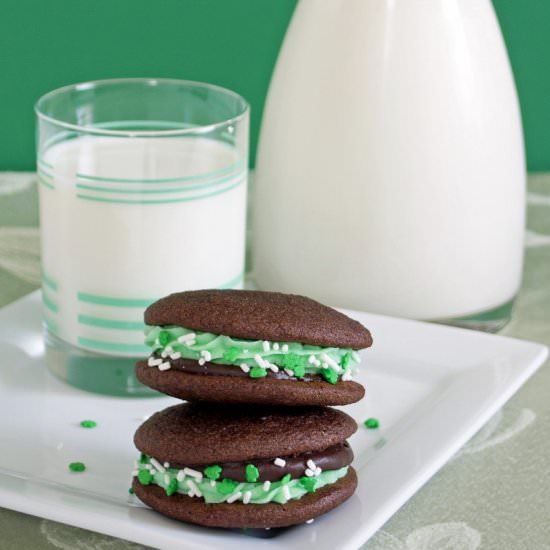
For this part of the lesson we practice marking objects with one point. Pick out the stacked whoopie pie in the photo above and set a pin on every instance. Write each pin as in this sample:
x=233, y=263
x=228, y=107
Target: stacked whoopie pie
x=257, y=445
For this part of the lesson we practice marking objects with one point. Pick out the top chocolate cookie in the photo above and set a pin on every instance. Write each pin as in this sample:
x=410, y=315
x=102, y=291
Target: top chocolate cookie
x=257, y=315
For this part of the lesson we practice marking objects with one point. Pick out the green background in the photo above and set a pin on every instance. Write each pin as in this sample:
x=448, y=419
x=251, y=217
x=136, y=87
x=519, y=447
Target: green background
x=45, y=44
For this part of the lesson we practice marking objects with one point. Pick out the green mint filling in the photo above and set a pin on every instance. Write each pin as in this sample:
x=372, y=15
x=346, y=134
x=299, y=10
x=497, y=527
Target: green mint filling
x=220, y=490
x=292, y=357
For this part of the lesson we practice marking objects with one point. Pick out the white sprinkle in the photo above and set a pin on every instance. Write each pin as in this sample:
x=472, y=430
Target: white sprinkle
x=167, y=479
x=289, y=372
x=310, y=520
x=245, y=351
x=276, y=346
x=154, y=361
x=259, y=360
x=212, y=483
x=247, y=496
x=184, y=338
x=190, y=343
x=324, y=366
x=166, y=464
x=355, y=356
x=286, y=492
x=234, y=497
x=266, y=346
x=168, y=349
x=266, y=486
x=153, y=471
x=244, y=367
x=164, y=354
x=180, y=476
x=309, y=473
x=175, y=355
x=284, y=348
x=190, y=493
x=149, y=467
x=206, y=354
x=311, y=464
x=202, y=361
x=311, y=359
x=135, y=473
x=318, y=471
x=331, y=362
x=273, y=367
x=193, y=487
x=279, y=462
x=164, y=366
x=193, y=473
x=347, y=376
x=317, y=363
x=157, y=465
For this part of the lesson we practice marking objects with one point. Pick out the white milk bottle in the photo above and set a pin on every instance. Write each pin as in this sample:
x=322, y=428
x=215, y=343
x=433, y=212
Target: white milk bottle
x=390, y=173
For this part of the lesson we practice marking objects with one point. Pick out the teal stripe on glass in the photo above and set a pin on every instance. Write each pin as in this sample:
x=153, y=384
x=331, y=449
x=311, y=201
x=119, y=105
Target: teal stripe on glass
x=45, y=183
x=110, y=323
x=44, y=163
x=114, y=346
x=233, y=282
x=113, y=301
x=51, y=326
x=48, y=281
x=206, y=175
x=48, y=302
x=160, y=201
x=185, y=189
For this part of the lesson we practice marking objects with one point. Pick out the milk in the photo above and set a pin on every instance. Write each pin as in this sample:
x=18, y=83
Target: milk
x=125, y=221
x=390, y=172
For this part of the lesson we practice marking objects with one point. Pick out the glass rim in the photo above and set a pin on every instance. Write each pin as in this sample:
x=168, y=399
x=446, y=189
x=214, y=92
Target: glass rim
x=80, y=86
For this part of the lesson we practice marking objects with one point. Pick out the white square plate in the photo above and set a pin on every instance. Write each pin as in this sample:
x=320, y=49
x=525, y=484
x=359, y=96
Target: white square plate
x=431, y=386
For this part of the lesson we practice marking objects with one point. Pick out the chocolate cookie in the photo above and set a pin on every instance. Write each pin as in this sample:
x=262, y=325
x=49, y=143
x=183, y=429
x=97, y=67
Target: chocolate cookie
x=243, y=466
x=237, y=346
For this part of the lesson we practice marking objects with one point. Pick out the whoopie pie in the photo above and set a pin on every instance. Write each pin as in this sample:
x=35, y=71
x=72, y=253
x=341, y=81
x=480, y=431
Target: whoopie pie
x=239, y=346
x=242, y=466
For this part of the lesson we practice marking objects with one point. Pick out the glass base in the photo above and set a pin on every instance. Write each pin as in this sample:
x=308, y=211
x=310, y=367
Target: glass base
x=487, y=321
x=93, y=372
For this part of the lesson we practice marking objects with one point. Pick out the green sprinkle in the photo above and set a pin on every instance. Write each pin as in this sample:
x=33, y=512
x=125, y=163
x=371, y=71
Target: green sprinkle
x=164, y=337
x=145, y=477
x=252, y=473
x=88, y=423
x=372, y=423
x=308, y=483
x=172, y=487
x=231, y=354
x=345, y=360
x=226, y=486
x=299, y=371
x=257, y=372
x=285, y=479
x=329, y=375
x=130, y=491
x=77, y=466
x=291, y=361
x=143, y=458
x=213, y=472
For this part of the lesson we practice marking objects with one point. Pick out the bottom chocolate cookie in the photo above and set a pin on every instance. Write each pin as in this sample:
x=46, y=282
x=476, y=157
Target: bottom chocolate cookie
x=228, y=389
x=238, y=515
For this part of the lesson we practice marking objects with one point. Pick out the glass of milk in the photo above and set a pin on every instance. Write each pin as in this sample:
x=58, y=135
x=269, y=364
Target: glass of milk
x=143, y=188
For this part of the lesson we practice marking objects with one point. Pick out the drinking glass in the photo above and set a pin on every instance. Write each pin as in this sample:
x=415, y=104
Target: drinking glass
x=143, y=188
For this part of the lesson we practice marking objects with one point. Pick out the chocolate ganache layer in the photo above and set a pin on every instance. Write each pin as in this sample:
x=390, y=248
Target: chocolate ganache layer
x=332, y=458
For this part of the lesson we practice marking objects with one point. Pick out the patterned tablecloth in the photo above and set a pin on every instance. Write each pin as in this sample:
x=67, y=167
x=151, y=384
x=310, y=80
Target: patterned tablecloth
x=494, y=494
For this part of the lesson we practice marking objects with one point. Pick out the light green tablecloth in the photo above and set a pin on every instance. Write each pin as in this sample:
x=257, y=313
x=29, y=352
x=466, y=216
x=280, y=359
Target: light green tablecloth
x=494, y=494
